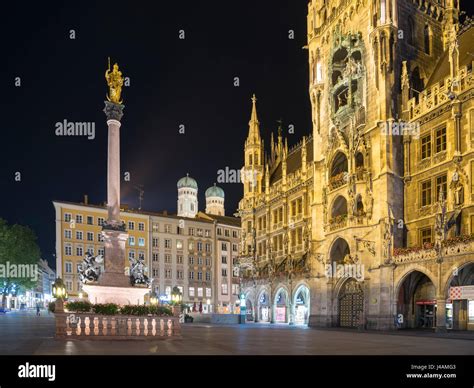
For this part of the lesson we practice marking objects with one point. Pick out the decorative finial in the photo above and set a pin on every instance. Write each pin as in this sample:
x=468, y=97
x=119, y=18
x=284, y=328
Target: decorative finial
x=254, y=99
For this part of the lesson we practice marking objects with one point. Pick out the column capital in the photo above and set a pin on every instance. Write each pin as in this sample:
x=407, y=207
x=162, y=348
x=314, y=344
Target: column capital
x=113, y=111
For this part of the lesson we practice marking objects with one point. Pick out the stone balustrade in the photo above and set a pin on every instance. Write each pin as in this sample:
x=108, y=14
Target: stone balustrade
x=90, y=326
x=431, y=254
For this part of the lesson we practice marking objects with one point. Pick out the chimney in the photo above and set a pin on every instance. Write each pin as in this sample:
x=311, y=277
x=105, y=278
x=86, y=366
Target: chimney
x=86, y=199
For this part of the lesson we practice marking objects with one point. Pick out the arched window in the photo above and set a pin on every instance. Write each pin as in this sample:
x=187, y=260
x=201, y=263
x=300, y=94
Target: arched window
x=250, y=159
x=410, y=31
x=427, y=39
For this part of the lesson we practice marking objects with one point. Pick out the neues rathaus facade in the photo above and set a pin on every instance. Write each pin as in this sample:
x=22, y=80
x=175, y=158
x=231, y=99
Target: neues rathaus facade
x=368, y=222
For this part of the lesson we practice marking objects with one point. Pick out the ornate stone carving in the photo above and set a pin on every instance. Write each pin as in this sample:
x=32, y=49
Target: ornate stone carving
x=113, y=111
x=90, y=268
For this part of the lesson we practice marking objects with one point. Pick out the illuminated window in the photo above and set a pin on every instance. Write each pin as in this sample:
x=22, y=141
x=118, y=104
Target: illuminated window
x=425, y=236
x=441, y=185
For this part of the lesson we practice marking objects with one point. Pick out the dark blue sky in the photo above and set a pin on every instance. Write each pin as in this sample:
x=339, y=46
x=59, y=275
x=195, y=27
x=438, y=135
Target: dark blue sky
x=173, y=82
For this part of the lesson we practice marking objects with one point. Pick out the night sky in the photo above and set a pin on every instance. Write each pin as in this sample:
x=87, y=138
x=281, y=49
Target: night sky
x=173, y=82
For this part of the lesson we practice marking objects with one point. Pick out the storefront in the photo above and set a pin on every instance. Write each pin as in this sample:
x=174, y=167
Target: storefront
x=462, y=310
x=302, y=306
x=281, y=307
x=426, y=314
x=263, y=308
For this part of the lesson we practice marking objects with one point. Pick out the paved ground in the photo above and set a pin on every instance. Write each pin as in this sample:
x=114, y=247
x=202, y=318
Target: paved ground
x=25, y=334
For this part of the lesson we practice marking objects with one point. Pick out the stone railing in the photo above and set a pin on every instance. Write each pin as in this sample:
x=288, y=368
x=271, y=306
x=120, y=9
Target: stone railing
x=437, y=94
x=337, y=223
x=90, y=326
x=447, y=250
x=337, y=181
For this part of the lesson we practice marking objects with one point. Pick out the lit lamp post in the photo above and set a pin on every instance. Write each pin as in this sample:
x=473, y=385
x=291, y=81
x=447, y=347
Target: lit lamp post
x=59, y=292
x=176, y=298
x=243, y=308
x=153, y=300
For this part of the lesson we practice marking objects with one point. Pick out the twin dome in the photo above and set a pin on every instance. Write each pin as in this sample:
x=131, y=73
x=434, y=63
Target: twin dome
x=188, y=182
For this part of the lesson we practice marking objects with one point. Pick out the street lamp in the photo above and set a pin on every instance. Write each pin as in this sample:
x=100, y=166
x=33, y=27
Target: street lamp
x=176, y=297
x=154, y=300
x=59, y=292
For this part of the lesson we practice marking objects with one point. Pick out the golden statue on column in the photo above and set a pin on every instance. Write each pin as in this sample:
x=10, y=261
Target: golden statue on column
x=115, y=81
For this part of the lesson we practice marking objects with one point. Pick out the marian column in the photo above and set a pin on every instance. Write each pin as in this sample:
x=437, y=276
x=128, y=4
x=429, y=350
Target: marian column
x=114, y=232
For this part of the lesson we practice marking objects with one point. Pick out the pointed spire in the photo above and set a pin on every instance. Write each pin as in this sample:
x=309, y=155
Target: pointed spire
x=254, y=125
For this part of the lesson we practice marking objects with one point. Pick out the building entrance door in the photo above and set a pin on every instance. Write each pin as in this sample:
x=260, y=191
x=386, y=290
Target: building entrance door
x=351, y=304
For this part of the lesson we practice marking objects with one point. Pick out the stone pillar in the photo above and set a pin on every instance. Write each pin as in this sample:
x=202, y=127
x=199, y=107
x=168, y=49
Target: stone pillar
x=440, y=314
x=114, y=259
x=114, y=113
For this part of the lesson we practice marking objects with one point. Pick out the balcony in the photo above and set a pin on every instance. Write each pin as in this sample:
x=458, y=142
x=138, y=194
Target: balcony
x=338, y=180
x=338, y=222
x=449, y=247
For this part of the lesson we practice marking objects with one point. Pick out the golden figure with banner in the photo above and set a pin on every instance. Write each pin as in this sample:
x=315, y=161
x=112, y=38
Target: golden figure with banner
x=115, y=81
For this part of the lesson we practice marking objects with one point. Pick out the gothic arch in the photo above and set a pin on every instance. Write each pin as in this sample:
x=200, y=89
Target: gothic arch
x=465, y=262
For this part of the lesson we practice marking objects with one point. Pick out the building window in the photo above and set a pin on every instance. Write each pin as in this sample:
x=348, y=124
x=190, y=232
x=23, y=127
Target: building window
x=235, y=247
x=179, y=244
x=67, y=234
x=191, y=260
x=234, y=234
x=179, y=274
x=199, y=275
x=100, y=221
x=208, y=292
x=191, y=233
x=226, y=233
x=199, y=232
x=168, y=243
x=190, y=246
x=224, y=289
x=141, y=226
x=90, y=250
x=191, y=275
x=426, y=193
x=167, y=274
x=131, y=241
x=208, y=247
x=155, y=227
x=67, y=217
x=141, y=241
x=167, y=258
x=68, y=267
x=208, y=262
x=68, y=286
x=441, y=185
x=219, y=231
x=101, y=251
x=78, y=235
x=155, y=256
x=427, y=40
x=167, y=228
x=440, y=140
x=208, y=276
x=78, y=219
x=131, y=225
x=224, y=272
x=90, y=220
x=207, y=233
x=179, y=259
x=199, y=246
x=199, y=292
x=79, y=251
x=131, y=254
x=224, y=259
x=191, y=292
x=224, y=246
x=426, y=147
x=141, y=255
x=155, y=272
x=235, y=289
x=199, y=260
x=100, y=237
x=90, y=236
x=155, y=242
x=249, y=226
x=425, y=236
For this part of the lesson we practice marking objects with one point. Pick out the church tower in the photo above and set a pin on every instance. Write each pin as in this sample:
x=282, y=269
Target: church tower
x=215, y=201
x=187, y=197
x=252, y=173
